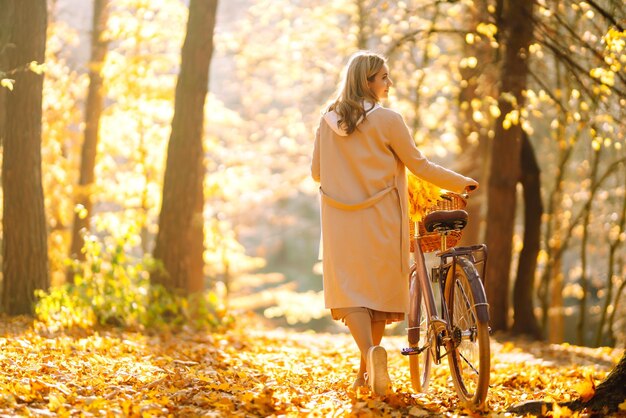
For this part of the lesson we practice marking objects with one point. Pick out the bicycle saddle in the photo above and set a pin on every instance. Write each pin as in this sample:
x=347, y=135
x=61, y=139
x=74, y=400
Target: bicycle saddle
x=445, y=220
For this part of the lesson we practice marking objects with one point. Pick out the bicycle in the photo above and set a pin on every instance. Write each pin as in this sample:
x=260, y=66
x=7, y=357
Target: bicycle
x=459, y=330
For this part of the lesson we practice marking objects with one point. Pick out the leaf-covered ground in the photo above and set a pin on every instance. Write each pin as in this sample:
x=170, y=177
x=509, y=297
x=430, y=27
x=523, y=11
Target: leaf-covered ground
x=250, y=371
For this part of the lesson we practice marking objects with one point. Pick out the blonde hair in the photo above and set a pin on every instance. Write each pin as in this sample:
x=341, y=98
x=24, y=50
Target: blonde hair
x=361, y=69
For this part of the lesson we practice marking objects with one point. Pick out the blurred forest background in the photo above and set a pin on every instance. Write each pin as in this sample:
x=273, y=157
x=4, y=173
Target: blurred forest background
x=527, y=97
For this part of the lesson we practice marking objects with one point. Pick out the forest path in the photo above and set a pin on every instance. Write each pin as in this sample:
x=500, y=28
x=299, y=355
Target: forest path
x=250, y=371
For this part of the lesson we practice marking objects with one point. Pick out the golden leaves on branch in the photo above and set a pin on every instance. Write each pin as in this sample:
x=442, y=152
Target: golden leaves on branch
x=7, y=83
x=33, y=66
x=422, y=196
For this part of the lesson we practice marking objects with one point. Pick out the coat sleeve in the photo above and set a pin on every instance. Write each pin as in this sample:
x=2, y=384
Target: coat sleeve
x=315, y=161
x=404, y=147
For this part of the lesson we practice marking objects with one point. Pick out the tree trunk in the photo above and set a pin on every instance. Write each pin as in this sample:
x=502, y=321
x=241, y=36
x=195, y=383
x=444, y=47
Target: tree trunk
x=505, y=160
x=25, y=251
x=551, y=285
x=93, y=111
x=615, y=244
x=609, y=394
x=524, y=319
x=616, y=305
x=6, y=19
x=556, y=317
x=581, y=330
x=362, y=16
x=180, y=240
x=606, y=400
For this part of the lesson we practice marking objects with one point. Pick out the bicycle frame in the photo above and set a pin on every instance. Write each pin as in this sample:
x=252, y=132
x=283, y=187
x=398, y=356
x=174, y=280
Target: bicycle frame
x=448, y=259
x=471, y=253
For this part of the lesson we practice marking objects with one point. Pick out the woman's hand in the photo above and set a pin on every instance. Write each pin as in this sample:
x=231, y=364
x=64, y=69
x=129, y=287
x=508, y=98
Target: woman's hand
x=473, y=185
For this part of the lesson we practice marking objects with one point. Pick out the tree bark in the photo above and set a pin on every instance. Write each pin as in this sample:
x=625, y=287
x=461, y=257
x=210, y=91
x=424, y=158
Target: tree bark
x=606, y=399
x=581, y=330
x=6, y=20
x=362, y=16
x=609, y=394
x=93, y=111
x=524, y=319
x=180, y=240
x=616, y=305
x=25, y=252
x=505, y=160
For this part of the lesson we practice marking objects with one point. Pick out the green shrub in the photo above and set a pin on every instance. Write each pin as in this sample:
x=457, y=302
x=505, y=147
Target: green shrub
x=111, y=287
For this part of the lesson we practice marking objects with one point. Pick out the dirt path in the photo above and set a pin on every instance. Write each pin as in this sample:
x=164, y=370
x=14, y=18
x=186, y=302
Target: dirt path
x=257, y=372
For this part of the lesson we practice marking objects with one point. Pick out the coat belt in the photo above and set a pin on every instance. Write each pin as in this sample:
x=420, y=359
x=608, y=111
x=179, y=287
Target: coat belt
x=370, y=201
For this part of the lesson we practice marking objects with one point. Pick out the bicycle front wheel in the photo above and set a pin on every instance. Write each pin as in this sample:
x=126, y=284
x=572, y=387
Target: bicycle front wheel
x=468, y=346
x=419, y=364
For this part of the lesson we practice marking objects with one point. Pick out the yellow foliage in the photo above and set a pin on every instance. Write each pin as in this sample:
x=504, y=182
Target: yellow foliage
x=250, y=371
x=558, y=411
x=7, y=82
x=587, y=388
x=63, y=89
x=422, y=196
x=37, y=68
x=487, y=29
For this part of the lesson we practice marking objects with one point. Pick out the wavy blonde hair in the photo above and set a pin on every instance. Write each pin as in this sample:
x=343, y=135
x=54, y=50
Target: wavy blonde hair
x=361, y=69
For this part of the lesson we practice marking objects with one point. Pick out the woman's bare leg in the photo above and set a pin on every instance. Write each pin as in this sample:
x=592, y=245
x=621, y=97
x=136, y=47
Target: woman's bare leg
x=360, y=326
x=378, y=329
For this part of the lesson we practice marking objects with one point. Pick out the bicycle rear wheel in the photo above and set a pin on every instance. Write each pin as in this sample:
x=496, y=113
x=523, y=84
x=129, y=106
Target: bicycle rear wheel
x=468, y=347
x=419, y=364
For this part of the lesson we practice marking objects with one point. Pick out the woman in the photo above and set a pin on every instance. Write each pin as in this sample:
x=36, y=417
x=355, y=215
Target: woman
x=360, y=155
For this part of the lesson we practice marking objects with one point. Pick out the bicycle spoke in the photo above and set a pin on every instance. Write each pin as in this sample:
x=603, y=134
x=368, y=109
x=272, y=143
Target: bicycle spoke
x=468, y=305
x=469, y=364
x=469, y=344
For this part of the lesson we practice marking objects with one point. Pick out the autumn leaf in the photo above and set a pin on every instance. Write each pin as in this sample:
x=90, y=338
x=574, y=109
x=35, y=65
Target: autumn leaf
x=559, y=412
x=37, y=68
x=586, y=389
x=249, y=370
x=7, y=82
x=422, y=197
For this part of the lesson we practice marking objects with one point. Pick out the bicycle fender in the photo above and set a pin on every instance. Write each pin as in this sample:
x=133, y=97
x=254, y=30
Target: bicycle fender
x=482, y=307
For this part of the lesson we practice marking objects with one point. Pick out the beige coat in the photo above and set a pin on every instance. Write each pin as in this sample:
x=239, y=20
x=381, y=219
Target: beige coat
x=364, y=212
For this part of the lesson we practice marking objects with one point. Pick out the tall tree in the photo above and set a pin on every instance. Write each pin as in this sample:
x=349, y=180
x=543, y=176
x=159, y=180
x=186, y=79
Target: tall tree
x=93, y=111
x=516, y=25
x=524, y=319
x=179, y=244
x=25, y=251
x=6, y=20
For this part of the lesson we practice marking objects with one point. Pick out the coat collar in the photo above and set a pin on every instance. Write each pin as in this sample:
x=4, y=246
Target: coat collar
x=332, y=118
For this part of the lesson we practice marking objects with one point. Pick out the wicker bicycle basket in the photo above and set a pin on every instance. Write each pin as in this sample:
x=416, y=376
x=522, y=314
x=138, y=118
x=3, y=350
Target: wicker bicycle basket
x=431, y=241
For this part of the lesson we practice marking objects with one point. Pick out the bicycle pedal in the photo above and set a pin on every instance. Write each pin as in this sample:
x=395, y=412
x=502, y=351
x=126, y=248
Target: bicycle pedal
x=409, y=351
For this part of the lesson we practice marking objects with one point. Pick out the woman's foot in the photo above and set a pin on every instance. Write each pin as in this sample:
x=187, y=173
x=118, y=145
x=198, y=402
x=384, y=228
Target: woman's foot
x=378, y=377
x=359, y=382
